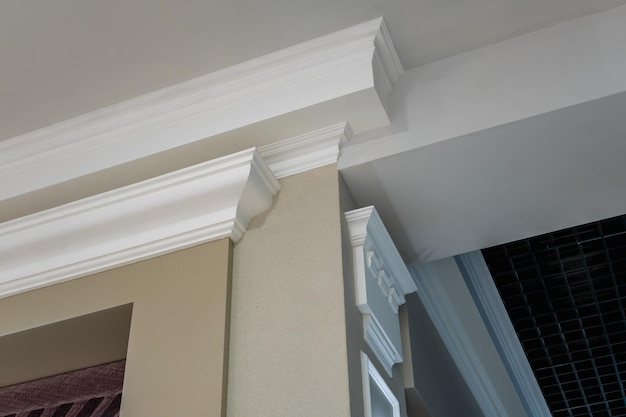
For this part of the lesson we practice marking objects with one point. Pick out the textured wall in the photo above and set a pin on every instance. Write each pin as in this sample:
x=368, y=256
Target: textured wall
x=176, y=350
x=288, y=336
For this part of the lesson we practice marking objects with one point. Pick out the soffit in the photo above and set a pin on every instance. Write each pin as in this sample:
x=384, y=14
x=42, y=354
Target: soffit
x=540, y=174
x=69, y=57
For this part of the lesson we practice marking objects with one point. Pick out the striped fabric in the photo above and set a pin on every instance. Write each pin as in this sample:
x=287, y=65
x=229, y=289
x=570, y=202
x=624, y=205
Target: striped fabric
x=91, y=392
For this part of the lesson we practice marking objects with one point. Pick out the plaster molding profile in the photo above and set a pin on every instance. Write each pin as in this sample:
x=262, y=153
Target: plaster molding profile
x=198, y=204
x=367, y=230
x=305, y=152
x=381, y=280
x=448, y=324
x=480, y=283
x=274, y=86
x=383, y=348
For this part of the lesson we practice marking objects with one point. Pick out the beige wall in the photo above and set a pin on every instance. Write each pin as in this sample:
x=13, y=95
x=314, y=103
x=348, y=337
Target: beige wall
x=288, y=337
x=179, y=330
x=289, y=351
x=80, y=342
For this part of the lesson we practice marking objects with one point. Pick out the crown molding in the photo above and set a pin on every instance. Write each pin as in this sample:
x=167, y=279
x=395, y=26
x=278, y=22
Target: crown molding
x=191, y=206
x=305, y=152
x=377, y=339
x=320, y=74
x=367, y=230
x=386, y=63
x=381, y=280
x=480, y=283
x=448, y=324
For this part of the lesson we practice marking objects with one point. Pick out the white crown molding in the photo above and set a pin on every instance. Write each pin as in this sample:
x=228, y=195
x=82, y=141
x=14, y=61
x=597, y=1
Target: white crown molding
x=448, y=324
x=194, y=205
x=387, y=65
x=381, y=280
x=274, y=86
x=305, y=152
x=377, y=339
x=367, y=228
x=480, y=283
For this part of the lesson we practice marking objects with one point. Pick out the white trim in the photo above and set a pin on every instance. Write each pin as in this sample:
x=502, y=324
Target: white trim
x=305, y=152
x=366, y=225
x=386, y=63
x=274, y=86
x=447, y=323
x=376, y=338
x=381, y=280
x=369, y=371
x=198, y=204
x=486, y=296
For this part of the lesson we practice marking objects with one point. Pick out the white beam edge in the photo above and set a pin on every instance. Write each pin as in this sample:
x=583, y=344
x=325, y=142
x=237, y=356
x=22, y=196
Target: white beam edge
x=195, y=205
x=574, y=62
x=480, y=283
x=305, y=152
x=445, y=319
x=366, y=222
x=223, y=101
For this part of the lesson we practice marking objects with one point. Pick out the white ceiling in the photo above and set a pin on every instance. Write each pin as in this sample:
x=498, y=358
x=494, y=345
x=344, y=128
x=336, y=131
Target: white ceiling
x=63, y=58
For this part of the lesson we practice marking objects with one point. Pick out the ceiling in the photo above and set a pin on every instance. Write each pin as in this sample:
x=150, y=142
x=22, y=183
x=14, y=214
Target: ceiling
x=68, y=57
x=481, y=185
x=506, y=183
x=565, y=295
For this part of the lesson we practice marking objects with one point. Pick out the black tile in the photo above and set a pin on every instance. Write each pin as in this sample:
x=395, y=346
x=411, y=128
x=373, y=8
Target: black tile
x=565, y=293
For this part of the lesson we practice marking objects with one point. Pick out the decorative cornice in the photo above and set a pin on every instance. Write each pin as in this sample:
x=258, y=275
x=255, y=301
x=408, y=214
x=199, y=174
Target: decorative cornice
x=377, y=339
x=448, y=324
x=305, y=152
x=387, y=54
x=194, y=205
x=277, y=84
x=367, y=229
x=480, y=283
x=381, y=280
x=386, y=63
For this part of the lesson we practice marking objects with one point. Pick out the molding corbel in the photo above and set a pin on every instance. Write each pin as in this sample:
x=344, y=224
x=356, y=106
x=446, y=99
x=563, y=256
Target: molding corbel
x=381, y=280
x=202, y=203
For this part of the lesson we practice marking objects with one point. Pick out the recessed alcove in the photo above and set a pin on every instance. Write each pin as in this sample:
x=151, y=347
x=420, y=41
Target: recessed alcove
x=74, y=366
x=175, y=345
x=64, y=346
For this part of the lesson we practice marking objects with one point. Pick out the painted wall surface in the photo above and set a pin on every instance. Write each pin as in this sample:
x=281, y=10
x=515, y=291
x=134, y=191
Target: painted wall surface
x=177, y=347
x=288, y=330
x=64, y=346
x=434, y=375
